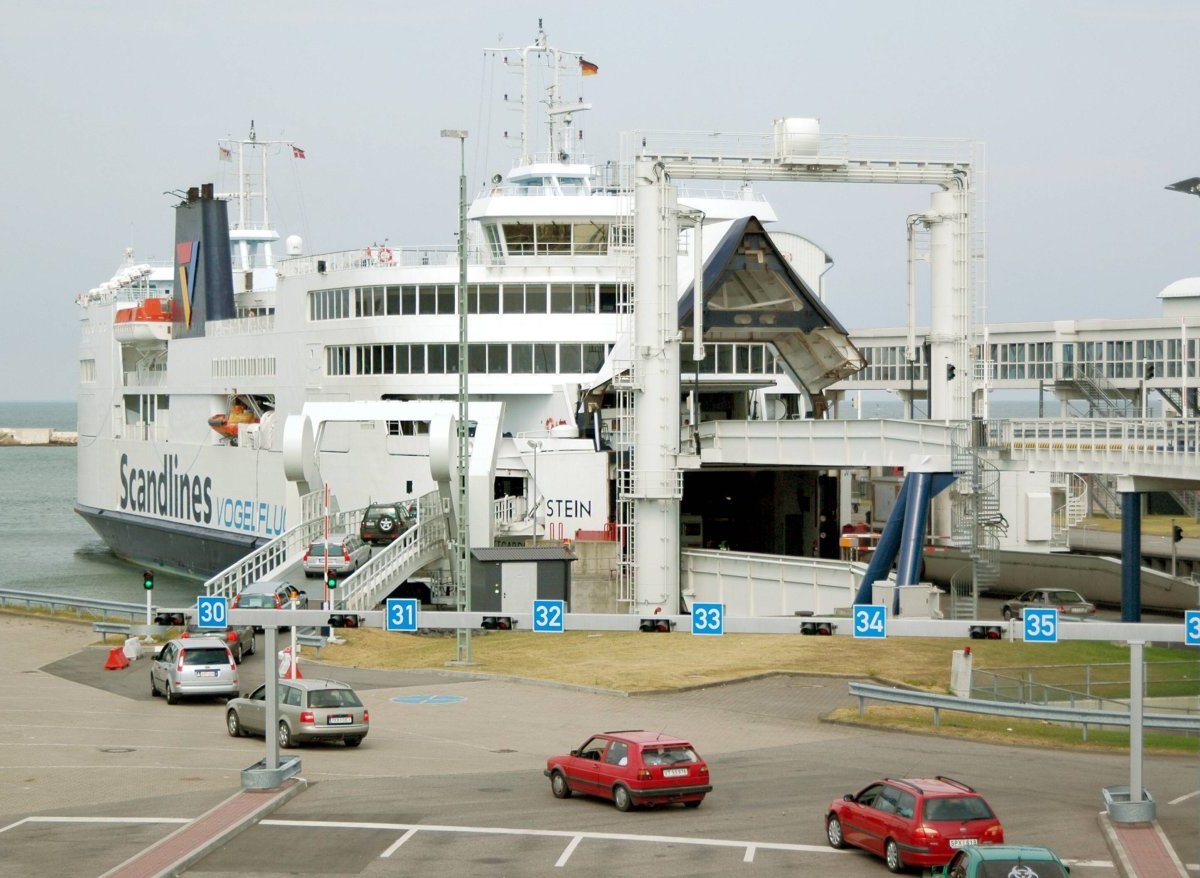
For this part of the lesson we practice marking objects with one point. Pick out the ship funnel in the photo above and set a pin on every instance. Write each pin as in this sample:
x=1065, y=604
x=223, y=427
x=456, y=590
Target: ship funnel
x=203, y=275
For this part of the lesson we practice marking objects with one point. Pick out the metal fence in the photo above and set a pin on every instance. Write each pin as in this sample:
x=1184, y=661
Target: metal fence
x=89, y=608
x=1174, y=685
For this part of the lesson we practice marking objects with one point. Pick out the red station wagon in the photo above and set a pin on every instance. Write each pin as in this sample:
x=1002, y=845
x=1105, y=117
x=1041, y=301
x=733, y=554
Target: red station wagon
x=912, y=822
x=632, y=768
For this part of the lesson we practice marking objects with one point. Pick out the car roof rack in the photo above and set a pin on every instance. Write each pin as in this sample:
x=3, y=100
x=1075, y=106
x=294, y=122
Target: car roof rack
x=957, y=783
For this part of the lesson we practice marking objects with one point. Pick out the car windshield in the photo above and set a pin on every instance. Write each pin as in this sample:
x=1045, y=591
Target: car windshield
x=257, y=600
x=1007, y=867
x=205, y=656
x=957, y=808
x=1065, y=597
x=669, y=755
x=333, y=698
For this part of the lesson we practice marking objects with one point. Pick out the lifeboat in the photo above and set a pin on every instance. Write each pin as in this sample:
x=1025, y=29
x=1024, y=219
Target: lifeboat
x=149, y=320
x=227, y=424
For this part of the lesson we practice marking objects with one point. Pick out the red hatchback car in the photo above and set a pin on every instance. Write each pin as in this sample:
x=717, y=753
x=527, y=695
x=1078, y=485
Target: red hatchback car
x=632, y=768
x=912, y=822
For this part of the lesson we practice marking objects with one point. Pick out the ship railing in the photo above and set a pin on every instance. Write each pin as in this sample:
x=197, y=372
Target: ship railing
x=379, y=256
x=256, y=325
x=284, y=549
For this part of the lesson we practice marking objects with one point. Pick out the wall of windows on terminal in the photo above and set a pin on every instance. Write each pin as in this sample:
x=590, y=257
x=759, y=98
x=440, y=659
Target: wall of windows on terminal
x=530, y=358
x=413, y=300
x=1035, y=360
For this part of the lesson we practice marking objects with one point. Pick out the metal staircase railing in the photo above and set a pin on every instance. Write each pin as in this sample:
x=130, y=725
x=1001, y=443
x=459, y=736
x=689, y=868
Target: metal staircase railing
x=1073, y=511
x=977, y=520
x=1102, y=495
x=1174, y=398
x=1104, y=398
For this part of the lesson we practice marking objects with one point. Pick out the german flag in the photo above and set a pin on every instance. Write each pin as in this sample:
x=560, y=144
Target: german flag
x=587, y=68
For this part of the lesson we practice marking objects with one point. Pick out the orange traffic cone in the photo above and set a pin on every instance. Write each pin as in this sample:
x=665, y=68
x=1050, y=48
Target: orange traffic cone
x=116, y=659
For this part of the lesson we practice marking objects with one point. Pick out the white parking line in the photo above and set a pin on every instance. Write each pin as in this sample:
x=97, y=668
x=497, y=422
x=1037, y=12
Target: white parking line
x=147, y=820
x=1185, y=797
x=401, y=841
x=566, y=854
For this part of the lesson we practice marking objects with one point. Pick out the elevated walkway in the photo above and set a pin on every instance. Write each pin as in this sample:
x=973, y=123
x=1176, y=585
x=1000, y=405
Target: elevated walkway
x=419, y=546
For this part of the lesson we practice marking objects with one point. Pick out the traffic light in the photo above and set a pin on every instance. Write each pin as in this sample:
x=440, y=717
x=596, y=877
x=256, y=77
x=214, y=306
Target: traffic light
x=663, y=625
x=821, y=629
x=985, y=632
x=148, y=579
x=497, y=623
x=1149, y=371
x=345, y=620
x=331, y=580
x=950, y=370
x=1176, y=533
x=171, y=620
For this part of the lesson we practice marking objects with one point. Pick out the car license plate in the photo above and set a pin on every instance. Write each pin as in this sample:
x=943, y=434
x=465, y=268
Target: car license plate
x=206, y=673
x=675, y=772
x=340, y=720
x=963, y=842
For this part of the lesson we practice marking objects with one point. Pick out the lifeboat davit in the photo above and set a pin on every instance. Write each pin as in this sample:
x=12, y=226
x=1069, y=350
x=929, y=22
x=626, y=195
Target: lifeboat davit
x=149, y=320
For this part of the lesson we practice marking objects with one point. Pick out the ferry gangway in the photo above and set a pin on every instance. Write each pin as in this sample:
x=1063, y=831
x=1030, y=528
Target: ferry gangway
x=425, y=542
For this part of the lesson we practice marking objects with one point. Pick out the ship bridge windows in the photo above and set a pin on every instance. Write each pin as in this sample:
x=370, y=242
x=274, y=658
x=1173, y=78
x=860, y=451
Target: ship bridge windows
x=586, y=238
x=442, y=299
x=496, y=358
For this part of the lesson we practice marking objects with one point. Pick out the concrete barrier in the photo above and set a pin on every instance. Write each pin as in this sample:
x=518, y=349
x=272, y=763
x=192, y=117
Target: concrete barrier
x=35, y=436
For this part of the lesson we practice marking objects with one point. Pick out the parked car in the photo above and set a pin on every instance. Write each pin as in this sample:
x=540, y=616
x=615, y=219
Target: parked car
x=239, y=638
x=1070, y=604
x=912, y=822
x=340, y=553
x=1003, y=861
x=196, y=666
x=384, y=522
x=309, y=710
x=632, y=768
x=269, y=594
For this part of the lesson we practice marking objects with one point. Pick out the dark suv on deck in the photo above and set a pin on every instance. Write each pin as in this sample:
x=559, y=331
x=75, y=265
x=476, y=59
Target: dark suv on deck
x=383, y=522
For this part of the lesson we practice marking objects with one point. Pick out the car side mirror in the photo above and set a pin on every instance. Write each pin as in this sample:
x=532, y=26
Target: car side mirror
x=574, y=752
x=849, y=797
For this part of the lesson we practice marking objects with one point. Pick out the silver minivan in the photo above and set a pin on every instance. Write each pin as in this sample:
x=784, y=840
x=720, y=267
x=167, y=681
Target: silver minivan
x=340, y=553
x=196, y=666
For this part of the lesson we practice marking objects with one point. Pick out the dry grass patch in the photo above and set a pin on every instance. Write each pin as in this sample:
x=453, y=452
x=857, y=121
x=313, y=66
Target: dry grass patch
x=639, y=662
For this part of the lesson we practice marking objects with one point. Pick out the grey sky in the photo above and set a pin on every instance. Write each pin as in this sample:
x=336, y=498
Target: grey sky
x=1086, y=110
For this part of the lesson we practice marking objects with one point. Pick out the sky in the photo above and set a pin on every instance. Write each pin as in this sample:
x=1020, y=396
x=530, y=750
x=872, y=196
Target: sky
x=1081, y=107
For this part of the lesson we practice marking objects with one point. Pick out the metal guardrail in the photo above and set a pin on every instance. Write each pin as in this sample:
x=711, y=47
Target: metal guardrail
x=73, y=603
x=1073, y=715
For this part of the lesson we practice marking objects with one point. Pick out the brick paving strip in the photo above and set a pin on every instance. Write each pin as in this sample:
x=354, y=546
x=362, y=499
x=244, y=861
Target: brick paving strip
x=1141, y=850
x=188, y=844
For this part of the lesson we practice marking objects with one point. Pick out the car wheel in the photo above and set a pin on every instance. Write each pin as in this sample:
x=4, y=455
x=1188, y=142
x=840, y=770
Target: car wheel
x=833, y=832
x=237, y=653
x=172, y=698
x=891, y=855
x=694, y=803
x=559, y=786
x=1008, y=614
x=621, y=798
x=285, y=735
x=253, y=648
x=353, y=742
x=232, y=725
x=153, y=688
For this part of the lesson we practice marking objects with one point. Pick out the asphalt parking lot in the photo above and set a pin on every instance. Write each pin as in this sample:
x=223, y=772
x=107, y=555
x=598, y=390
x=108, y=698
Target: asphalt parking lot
x=450, y=783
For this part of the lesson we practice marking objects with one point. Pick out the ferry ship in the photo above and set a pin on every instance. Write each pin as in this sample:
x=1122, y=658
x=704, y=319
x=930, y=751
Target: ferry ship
x=192, y=372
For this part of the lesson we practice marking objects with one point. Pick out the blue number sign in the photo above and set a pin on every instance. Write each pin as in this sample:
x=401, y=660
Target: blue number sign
x=708, y=619
x=548, y=616
x=1191, y=627
x=212, y=612
x=402, y=614
x=870, y=621
x=1041, y=625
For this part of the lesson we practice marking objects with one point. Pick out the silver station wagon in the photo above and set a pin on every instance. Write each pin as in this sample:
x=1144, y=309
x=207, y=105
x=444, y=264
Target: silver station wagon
x=309, y=710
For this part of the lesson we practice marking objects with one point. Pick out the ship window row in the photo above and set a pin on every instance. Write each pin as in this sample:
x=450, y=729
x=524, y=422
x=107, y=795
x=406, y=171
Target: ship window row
x=482, y=359
x=889, y=363
x=530, y=358
x=552, y=239
x=435, y=299
x=243, y=367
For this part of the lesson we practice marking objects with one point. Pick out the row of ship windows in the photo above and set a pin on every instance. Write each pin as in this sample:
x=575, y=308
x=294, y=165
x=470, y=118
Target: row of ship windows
x=1014, y=361
x=429, y=299
x=526, y=358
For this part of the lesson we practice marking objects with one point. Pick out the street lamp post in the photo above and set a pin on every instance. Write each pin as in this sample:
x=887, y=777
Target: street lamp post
x=462, y=529
x=535, y=445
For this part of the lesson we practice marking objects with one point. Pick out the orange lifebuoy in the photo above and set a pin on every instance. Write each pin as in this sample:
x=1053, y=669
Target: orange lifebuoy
x=385, y=254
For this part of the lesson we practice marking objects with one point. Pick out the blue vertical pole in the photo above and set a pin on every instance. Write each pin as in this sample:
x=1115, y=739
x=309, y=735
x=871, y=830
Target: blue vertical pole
x=1131, y=557
x=885, y=552
x=912, y=537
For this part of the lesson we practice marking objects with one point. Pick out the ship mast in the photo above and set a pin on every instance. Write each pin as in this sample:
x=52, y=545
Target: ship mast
x=250, y=233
